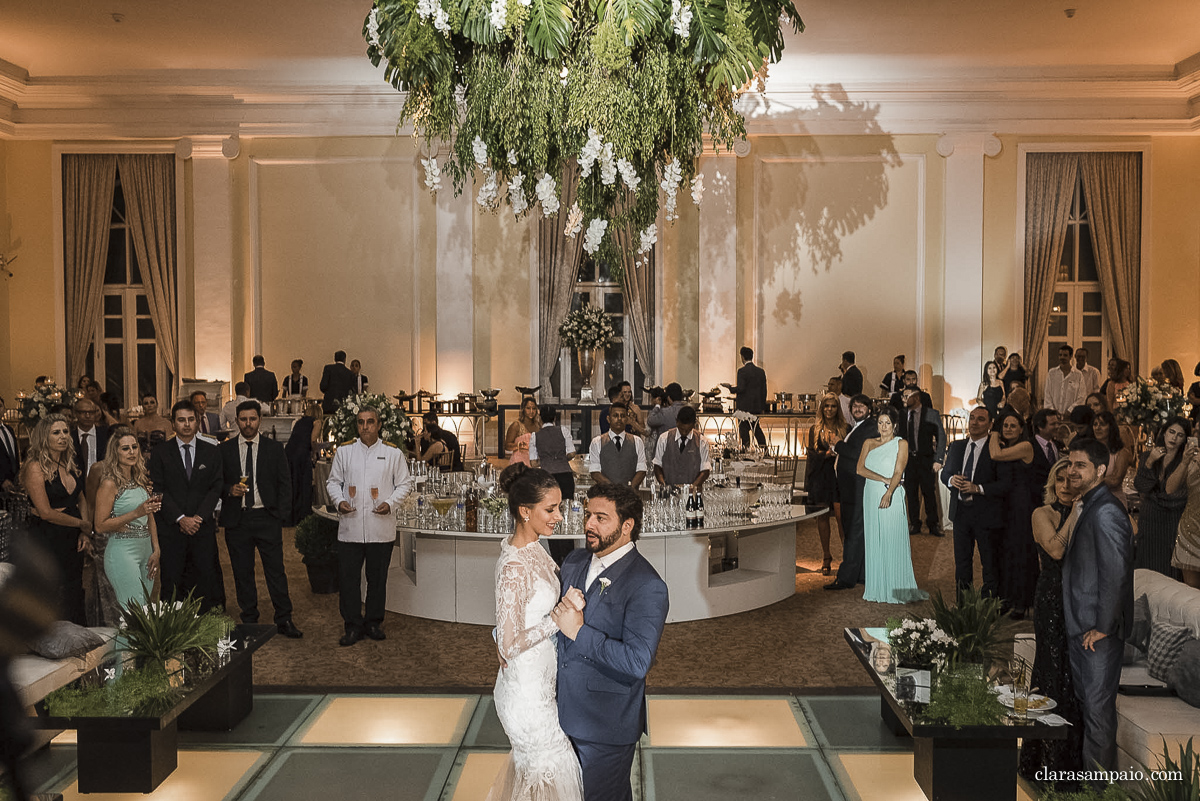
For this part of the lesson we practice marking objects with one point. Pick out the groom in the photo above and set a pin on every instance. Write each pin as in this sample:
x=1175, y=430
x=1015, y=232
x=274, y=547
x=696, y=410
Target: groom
x=605, y=651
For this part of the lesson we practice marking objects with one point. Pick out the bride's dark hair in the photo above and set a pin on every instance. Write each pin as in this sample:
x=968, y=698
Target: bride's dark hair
x=525, y=486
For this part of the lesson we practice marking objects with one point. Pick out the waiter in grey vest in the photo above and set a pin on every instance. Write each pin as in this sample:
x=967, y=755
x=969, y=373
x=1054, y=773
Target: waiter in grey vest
x=617, y=457
x=551, y=448
x=682, y=456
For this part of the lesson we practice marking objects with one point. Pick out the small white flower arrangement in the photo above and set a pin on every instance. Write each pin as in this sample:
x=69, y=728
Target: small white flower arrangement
x=489, y=193
x=605, y=583
x=629, y=175
x=38, y=403
x=479, y=150
x=587, y=328
x=921, y=643
x=608, y=165
x=394, y=425
x=1147, y=403
x=499, y=14
x=681, y=19
x=547, y=194
x=589, y=154
x=698, y=188
x=516, y=194
x=672, y=177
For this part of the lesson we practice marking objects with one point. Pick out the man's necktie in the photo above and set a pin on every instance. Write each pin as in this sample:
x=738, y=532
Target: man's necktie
x=187, y=460
x=969, y=467
x=204, y=423
x=87, y=453
x=249, y=475
x=912, y=427
x=1050, y=452
x=617, y=443
x=682, y=444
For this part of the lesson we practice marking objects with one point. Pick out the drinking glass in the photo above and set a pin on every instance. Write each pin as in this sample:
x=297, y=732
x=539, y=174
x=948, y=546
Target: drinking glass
x=442, y=504
x=352, y=490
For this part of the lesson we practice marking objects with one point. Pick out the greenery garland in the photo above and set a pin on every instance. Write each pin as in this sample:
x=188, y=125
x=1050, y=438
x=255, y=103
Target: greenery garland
x=531, y=93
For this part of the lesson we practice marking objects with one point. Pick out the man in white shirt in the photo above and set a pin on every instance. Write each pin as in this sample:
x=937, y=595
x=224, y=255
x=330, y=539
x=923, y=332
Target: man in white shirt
x=368, y=480
x=1091, y=376
x=1065, y=387
x=616, y=456
x=682, y=455
x=229, y=410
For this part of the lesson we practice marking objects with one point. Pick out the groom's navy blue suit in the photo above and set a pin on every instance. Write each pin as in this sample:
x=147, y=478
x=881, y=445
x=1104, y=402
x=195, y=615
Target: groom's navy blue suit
x=602, y=672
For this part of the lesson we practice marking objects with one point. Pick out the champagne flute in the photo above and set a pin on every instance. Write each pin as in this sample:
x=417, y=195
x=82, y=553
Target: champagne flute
x=374, y=497
x=353, y=490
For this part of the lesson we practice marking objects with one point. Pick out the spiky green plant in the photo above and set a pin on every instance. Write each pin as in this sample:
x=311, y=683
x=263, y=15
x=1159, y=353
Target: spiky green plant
x=975, y=623
x=1155, y=787
x=162, y=630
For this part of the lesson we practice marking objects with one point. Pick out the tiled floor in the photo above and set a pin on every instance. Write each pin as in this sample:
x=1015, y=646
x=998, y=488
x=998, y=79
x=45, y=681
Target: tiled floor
x=450, y=747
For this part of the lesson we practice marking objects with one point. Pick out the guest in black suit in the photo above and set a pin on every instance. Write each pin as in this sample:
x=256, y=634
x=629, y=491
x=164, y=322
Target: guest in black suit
x=299, y=452
x=893, y=382
x=751, y=392
x=1045, y=450
x=209, y=422
x=909, y=382
x=187, y=471
x=1097, y=579
x=852, y=381
x=336, y=383
x=256, y=504
x=10, y=459
x=91, y=439
x=977, y=503
x=850, y=490
x=263, y=386
x=926, y=453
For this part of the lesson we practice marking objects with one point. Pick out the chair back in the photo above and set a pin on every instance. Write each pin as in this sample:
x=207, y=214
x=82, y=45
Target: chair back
x=787, y=470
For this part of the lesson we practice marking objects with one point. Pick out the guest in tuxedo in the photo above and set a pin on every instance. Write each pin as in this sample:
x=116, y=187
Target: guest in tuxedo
x=336, y=383
x=1045, y=450
x=926, y=437
x=255, y=505
x=850, y=490
x=852, y=381
x=295, y=385
x=682, y=457
x=261, y=381
x=893, y=382
x=751, y=394
x=360, y=380
x=1065, y=388
x=10, y=458
x=1091, y=376
x=210, y=422
x=977, y=503
x=229, y=411
x=615, y=457
x=186, y=470
x=299, y=451
x=91, y=438
x=1097, y=599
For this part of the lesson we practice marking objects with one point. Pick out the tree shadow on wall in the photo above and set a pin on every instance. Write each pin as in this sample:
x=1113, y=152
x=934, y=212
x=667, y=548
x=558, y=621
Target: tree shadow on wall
x=836, y=191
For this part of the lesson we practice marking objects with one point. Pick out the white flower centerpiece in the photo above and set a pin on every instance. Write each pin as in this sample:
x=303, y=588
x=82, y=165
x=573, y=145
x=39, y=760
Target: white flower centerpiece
x=38, y=403
x=394, y=425
x=588, y=330
x=1149, y=404
x=921, y=644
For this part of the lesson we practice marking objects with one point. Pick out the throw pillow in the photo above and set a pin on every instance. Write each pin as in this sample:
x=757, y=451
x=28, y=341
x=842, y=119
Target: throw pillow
x=66, y=639
x=1166, y=641
x=1184, y=676
x=1138, y=641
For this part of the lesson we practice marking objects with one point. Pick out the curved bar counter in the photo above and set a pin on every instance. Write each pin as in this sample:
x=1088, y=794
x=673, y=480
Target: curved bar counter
x=450, y=575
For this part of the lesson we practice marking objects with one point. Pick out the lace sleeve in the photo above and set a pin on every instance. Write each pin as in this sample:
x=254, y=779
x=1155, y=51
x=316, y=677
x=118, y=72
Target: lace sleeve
x=514, y=585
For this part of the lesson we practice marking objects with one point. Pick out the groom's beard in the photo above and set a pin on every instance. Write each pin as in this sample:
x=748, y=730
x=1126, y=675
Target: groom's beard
x=602, y=541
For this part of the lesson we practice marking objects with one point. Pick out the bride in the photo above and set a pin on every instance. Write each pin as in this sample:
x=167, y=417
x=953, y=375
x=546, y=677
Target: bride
x=542, y=766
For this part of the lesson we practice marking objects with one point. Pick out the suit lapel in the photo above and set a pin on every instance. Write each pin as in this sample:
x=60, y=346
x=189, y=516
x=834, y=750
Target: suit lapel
x=612, y=573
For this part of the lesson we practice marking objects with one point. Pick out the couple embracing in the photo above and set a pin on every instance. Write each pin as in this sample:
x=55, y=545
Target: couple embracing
x=571, y=692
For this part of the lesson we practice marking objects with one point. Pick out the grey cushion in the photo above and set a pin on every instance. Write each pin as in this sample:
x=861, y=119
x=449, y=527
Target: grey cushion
x=1184, y=675
x=1138, y=642
x=1166, y=642
x=66, y=639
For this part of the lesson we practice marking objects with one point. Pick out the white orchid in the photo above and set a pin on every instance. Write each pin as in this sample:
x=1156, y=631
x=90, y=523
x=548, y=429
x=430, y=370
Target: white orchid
x=489, y=191
x=681, y=19
x=589, y=154
x=433, y=174
x=595, y=233
x=512, y=157
x=608, y=165
x=672, y=177
x=698, y=188
x=373, y=30
x=574, y=221
x=479, y=149
x=499, y=14
x=516, y=194
x=629, y=174
x=547, y=190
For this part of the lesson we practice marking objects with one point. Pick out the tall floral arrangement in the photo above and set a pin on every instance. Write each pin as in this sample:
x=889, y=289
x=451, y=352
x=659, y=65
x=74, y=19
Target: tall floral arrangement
x=394, y=425
x=1145, y=402
x=586, y=328
x=518, y=89
x=38, y=403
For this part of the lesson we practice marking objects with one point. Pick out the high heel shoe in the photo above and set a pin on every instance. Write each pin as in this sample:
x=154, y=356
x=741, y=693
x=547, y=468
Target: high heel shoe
x=827, y=567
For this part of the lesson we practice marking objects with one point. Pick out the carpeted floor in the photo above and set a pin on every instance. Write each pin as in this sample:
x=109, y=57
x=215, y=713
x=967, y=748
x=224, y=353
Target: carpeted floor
x=794, y=644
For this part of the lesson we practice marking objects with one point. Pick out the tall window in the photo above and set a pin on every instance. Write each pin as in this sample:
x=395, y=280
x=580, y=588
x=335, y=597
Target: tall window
x=1077, y=313
x=124, y=355
x=595, y=285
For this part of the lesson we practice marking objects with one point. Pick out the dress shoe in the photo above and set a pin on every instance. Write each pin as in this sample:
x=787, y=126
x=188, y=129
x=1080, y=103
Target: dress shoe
x=288, y=629
x=376, y=633
x=350, y=637
x=912, y=532
x=837, y=585
x=937, y=532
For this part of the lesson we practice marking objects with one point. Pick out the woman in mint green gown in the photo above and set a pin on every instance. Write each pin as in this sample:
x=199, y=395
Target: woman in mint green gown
x=125, y=513
x=889, y=570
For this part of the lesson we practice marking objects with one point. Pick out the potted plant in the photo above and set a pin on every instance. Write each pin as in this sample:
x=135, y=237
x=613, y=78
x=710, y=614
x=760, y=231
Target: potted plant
x=1172, y=779
x=316, y=540
x=974, y=624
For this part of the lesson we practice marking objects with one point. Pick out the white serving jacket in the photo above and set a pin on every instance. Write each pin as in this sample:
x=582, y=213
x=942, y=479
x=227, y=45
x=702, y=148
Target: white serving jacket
x=381, y=465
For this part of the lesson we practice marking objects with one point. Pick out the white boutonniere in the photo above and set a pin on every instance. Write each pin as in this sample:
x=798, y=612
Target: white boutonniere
x=604, y=585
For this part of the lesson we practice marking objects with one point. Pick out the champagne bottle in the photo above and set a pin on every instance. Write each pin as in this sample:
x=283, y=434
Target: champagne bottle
x=689, y=510
x=699, y=510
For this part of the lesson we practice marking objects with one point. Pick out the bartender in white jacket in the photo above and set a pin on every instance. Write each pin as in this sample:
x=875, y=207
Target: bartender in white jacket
x=369, y=478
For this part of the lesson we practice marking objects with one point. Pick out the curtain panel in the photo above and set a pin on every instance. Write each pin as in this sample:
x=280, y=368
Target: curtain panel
x=558, y=266
x=637, y=284
x=88, y=185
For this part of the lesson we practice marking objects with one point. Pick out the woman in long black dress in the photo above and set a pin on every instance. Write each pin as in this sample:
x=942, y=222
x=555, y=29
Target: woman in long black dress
x=991, y=389
x=1052, y=528
x=299, y=456
x=1161, y=483
x=1018, y=556
x=820, y=480
x=55, y=489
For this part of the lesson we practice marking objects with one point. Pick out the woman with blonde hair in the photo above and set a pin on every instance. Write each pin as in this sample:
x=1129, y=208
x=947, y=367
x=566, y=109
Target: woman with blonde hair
x=820, y=480
x=516, y=439
x=126, y=536
x=55, y=490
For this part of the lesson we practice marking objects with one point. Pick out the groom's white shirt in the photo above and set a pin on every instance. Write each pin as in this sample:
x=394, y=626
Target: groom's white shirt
x=601, y=563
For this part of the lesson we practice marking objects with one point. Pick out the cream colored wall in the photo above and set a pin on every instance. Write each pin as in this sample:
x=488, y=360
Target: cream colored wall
x=33, y=340
x=1173, y=330
x=505, y=324
x=6, y=389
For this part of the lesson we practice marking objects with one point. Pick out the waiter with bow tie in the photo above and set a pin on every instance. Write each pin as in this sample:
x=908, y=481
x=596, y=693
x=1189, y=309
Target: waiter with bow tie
x=682, y=455
x=617, y=457
x=10, y=458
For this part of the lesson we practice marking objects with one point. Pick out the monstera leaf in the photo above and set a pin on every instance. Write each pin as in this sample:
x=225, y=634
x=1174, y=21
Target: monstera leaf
x=549, y=28
x=763, y=17
x=476, y=25
x=708, y=30
x=634, y=18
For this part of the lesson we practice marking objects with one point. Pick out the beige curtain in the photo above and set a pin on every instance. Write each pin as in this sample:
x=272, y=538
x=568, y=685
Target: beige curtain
x=558, y=266
x=637, y=284
x=148, y=181
x=1112, y=187
x=1049, y=190
x=88, y=184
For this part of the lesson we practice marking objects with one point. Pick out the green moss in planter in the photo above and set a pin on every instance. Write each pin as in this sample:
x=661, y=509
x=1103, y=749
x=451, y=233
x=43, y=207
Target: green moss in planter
x=145, y=691
x=959, y=697
x=1111, y=792
x=316, y=539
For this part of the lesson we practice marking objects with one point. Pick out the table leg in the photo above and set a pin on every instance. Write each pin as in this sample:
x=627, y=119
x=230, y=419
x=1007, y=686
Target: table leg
x=225, y=705
x=965, y=770
x=115, y=761
x=888, y=715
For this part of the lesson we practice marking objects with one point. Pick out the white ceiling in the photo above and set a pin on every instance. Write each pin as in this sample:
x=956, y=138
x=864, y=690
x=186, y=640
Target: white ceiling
x=70, y=59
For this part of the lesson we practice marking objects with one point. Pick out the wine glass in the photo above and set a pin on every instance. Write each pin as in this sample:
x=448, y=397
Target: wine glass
x=353, y=490
x=374, y=497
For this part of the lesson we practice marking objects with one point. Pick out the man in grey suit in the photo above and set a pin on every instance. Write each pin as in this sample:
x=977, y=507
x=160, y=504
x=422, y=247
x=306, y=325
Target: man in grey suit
x=336, y=383
x=1097, y=574
x=751, y=392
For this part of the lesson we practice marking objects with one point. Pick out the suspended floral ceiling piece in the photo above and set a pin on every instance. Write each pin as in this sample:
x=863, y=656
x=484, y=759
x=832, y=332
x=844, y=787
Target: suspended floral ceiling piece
x=626, y=88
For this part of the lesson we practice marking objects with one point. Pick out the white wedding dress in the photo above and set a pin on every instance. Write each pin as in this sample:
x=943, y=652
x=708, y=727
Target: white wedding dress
x=542, y=765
